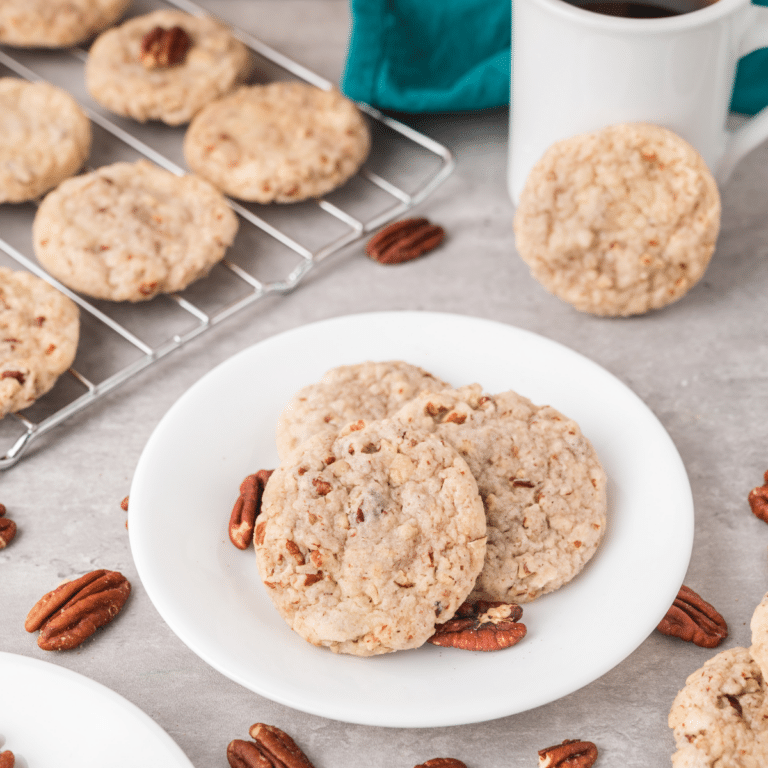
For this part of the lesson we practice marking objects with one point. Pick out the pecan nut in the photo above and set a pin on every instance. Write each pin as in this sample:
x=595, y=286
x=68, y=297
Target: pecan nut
x=481, y=626
x=7, y=528
x=404, y=241
x=572, y=753
x=270, y=748
x=442, y=762
x=242, y=521
x=758, y=500
x=162, y=48
x=71, y=613
x=7, y=759
x=693, y=619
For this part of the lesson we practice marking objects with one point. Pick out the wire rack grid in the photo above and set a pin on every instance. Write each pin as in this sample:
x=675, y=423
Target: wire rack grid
x=276, y=246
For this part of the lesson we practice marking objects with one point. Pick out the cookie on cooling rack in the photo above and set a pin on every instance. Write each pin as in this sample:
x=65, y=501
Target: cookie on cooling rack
x=129, y=231
x=282, y=142
x=46, y=138
x=542, y=485
x=370, y=536
x=39, y=331
x=55, y=23
x=165, y=65
x=370, y=391
x=620, y=221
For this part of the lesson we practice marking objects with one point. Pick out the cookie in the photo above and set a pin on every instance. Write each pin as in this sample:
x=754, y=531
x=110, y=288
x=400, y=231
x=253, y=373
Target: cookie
x=719, y=718
x=542, y=485
x=46, y=138
x=620, y=221
x=281, y=142
x=39, y=331
x=55, y=23
x=129, y=231
x=369, y=537
x=370, y=391
x=759, y=627
x=166, y=65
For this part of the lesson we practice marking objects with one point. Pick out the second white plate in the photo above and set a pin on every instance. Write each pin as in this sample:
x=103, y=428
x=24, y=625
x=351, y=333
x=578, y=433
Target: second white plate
x=210, y=593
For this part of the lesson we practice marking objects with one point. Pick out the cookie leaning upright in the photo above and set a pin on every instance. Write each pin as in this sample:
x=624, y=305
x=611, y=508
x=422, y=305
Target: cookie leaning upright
x=281, y=142
x=369, y=537
x=541, y=482
x=166, y=65
x=620, y=221
x=55, y=23
x=46, y=138
x=128, y=231
x=369, y=391
x=39, y=331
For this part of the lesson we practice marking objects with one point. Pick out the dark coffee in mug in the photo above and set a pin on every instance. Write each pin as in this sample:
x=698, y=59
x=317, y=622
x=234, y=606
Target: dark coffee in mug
x=632, y=9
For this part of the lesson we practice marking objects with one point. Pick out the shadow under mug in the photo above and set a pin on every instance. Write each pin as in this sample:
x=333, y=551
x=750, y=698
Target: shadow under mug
x=576, y=70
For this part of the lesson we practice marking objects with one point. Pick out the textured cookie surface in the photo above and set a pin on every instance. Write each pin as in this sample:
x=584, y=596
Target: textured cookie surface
x=620, y=221
x=759, y=627
x=46, y=138
x=39, y=331
x=281, y=142
x=370, y=391
x=129, y=231
x=719, y=717
x=55, y=23
x=369, y=537
x=542, y=485
x=116, y=77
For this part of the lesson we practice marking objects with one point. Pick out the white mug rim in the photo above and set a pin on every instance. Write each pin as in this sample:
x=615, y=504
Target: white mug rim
x=689, y=20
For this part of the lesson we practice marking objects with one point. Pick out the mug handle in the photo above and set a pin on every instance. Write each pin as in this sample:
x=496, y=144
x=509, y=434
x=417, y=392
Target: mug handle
x=755, y=130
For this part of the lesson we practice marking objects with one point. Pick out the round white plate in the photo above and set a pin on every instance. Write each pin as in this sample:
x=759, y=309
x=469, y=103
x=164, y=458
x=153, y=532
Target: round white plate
x=210, y=593
x=51, y=716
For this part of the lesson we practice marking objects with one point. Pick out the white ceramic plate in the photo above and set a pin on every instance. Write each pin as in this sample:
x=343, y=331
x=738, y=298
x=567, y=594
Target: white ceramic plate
x=210, y=593
x=51, y=716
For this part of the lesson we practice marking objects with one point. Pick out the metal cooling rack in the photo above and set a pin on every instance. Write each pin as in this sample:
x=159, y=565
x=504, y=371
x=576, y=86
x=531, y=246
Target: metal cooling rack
x=277, y=246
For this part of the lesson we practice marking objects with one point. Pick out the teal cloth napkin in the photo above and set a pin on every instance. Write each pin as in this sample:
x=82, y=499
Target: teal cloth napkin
x=454, y=55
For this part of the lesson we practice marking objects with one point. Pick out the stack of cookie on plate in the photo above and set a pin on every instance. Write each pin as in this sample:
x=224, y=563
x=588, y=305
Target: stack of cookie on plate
x=399, y=498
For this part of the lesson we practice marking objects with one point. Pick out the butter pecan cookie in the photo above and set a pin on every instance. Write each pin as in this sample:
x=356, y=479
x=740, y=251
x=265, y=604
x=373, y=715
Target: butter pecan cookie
x=281, y=142
x=129, y=231
x=620, y=221
x=369, y=537
x=542, y=485
x=55, y=23
x=46, y=138
x=39, y=331
x=166, y=65
x=370, y=391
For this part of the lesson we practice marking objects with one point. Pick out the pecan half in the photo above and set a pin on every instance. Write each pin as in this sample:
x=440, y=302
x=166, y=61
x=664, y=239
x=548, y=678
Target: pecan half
x=481, y=626
x=242, y=521
x=693, y=619
x=442, y=762
x=71, y=613
x=7, y=759
x=162, y=48
x=572, y=753
x=7, y=530
x=404, y=241
x=270, y=748
x=758, y=500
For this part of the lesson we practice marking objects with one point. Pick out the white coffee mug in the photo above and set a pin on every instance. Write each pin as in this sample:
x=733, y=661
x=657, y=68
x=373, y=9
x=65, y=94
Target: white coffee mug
x=575, y=71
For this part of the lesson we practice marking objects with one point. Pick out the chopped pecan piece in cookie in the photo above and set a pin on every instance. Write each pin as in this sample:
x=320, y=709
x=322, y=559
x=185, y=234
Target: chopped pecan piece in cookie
x=162, y=48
